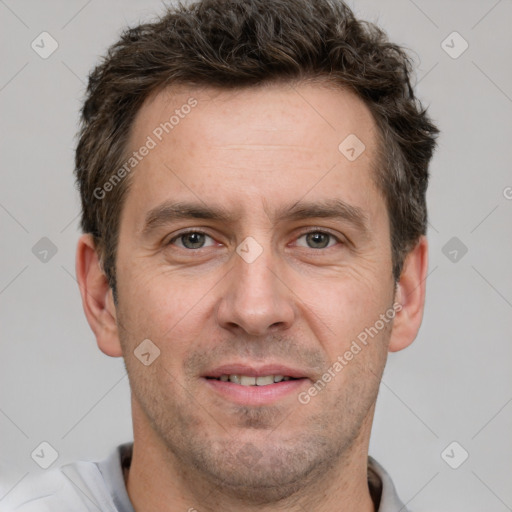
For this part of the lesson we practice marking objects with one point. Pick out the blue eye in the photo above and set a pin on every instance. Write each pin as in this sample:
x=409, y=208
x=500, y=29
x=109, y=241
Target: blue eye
x=192, y=240
x=318, y=240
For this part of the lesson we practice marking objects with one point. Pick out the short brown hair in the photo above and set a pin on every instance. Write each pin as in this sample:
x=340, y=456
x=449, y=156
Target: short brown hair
x=239, y=43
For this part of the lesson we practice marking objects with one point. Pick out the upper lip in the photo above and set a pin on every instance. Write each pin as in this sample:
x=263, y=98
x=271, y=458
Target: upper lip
x=255, y=371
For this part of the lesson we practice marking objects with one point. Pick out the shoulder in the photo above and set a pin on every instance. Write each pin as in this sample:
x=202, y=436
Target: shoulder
x=78, y=487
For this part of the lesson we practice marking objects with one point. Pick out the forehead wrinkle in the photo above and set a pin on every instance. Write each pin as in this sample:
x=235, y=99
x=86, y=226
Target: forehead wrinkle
x=261, y=147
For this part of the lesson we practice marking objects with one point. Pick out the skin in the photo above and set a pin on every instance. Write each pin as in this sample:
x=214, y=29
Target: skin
x=299, y=303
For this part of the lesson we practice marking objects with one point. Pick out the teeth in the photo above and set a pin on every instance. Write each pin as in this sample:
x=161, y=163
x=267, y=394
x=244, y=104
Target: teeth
x=264, y=381
x=245, y=380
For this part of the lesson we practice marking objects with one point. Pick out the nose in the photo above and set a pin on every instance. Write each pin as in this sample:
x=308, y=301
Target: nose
x=255, y=298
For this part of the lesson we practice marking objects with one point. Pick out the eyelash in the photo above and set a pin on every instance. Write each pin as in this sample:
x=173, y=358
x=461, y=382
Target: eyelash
x=197, y=231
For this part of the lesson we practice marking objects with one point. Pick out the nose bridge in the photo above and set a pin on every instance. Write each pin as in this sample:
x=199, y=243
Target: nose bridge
x=255, y=274
x=255, y=299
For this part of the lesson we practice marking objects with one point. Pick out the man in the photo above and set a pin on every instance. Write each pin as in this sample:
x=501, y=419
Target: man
x=253, y=178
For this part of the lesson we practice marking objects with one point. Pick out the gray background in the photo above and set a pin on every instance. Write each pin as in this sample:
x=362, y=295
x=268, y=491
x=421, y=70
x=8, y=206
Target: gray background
x=453, y=384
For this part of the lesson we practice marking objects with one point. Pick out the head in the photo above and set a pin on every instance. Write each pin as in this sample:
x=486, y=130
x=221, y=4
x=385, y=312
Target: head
x=285, y=137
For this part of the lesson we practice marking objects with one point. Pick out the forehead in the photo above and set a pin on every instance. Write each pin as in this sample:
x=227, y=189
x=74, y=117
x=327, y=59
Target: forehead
x=299, y=112
x=258, y=145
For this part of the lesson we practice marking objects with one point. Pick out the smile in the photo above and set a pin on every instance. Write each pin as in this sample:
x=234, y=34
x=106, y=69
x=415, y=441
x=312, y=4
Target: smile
x=248, y=385
x=247, y=380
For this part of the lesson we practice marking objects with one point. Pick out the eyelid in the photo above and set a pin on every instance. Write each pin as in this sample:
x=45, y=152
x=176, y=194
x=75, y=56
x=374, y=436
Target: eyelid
x=201, y=231
x=325, y=231
x=187, y=231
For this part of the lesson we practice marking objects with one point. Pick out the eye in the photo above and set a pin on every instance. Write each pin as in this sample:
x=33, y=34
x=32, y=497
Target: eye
x=191, y=240
x=318, y=240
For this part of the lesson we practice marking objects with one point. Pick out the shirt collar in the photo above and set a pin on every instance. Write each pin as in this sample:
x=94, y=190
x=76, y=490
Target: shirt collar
x=382, y=489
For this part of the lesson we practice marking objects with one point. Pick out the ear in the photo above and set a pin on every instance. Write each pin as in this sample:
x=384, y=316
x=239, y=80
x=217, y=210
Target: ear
x=97, y=298
x=410, y=294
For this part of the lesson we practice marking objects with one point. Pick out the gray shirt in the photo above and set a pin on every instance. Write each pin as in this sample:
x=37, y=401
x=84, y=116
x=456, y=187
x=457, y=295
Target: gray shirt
x=99, y=486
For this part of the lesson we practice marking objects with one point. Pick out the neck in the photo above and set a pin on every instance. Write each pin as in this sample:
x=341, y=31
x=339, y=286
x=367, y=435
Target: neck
x=158, y=481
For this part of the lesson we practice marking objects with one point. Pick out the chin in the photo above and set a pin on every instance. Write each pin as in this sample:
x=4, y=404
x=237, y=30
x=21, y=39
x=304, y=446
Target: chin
x=261, y=473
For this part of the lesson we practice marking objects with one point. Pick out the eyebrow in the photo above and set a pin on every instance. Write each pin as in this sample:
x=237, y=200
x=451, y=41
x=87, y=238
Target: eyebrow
x=168, y=212
x=327, y=209
x=337, y=209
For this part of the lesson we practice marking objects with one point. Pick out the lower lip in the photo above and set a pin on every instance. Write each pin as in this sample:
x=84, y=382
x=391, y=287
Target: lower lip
x=256, y=395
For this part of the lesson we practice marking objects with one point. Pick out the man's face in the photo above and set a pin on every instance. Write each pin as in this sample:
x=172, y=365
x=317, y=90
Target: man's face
x=281, y=285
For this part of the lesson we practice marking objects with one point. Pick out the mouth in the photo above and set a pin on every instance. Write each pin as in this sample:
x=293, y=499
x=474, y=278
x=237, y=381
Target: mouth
x=247, y=385
x=248, y=380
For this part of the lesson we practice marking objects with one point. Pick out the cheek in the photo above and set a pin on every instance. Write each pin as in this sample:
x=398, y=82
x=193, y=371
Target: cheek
x=349, y=298
x=348, y=310
x=166, y=309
